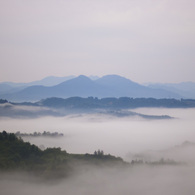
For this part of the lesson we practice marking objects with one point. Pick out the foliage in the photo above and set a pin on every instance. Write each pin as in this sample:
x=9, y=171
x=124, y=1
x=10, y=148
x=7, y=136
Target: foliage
x=38, y=134
x=3, y=101
x=115, y=103
x=15, y=154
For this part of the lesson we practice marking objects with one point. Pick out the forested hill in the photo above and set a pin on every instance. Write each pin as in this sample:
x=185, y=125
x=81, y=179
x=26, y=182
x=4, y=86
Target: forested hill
x=119, y=107
x=119, y=103
x=17, y=155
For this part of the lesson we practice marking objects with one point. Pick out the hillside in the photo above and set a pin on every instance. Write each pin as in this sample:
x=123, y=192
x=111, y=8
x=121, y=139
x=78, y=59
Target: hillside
x=17, y=155
x=114, y=103
x=117, y=107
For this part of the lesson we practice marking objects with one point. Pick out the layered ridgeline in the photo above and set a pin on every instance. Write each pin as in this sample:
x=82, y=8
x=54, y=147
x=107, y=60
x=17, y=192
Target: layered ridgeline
x=118, y=107
x=82, y=86
x=185, y=89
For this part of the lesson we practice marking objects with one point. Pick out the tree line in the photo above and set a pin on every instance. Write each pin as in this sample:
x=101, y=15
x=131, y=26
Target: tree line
x=15, y=154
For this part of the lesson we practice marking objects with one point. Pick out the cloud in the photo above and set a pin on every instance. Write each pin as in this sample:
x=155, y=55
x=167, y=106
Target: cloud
x=157, y=139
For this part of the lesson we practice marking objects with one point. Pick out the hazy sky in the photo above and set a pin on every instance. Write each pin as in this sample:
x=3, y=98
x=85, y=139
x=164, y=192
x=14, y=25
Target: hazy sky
x=143, y=40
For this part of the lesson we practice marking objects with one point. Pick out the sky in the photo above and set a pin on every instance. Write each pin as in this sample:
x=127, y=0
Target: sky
x=143, y=40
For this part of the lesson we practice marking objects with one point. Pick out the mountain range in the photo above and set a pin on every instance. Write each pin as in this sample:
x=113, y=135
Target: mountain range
x=184, y=89
x=82, y=86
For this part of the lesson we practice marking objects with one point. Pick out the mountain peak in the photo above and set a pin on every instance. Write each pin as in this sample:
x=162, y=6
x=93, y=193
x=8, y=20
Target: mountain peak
x=83, y=77
x=115, y=80
x=113, y=76
x=80, y=80
x=83, y=86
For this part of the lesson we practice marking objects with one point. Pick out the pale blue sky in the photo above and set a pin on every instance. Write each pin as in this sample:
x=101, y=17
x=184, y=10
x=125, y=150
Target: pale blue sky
x=143, y=40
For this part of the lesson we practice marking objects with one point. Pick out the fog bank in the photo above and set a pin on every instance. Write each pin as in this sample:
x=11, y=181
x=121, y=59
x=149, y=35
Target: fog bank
x=139, y=180
x=130, y=138
x=117, y=136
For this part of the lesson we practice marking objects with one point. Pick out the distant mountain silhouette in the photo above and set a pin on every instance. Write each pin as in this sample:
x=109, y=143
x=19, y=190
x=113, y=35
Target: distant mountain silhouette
x=5, y=88
x=11, y=87
x=185, y=89
x=121, y=86
x=47, y=81
x=51, y=81
x=82, y=86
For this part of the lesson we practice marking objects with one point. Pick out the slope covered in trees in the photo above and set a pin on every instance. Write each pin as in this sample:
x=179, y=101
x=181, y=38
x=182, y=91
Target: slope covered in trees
x=17, y=155
x=118, y=103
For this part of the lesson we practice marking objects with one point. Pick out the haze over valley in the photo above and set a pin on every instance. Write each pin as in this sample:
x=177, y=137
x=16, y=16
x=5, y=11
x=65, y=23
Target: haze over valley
x=97, y=97
x=114, y=132
x=167, y=143
x=103, y=136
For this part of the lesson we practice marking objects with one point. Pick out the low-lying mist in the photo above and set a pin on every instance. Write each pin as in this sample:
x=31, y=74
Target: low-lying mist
x=118, y=136
x=132, y=138
x=137, y=180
